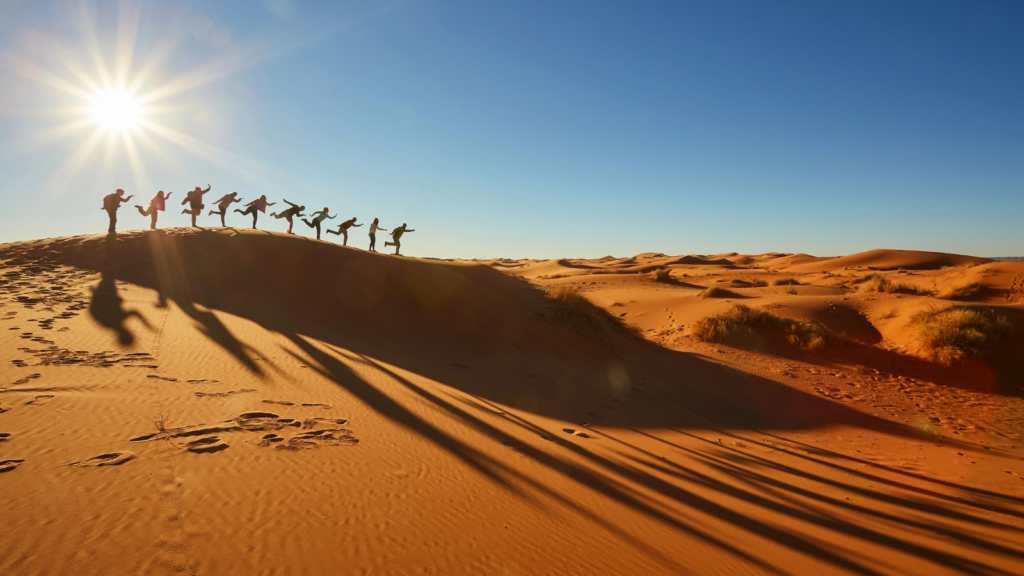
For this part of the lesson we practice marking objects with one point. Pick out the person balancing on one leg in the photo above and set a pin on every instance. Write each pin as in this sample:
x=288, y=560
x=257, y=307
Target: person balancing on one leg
x=343, y=229
x=317, y=218
x=295, y=210
x=195, y=201
x=255, y=207
x=155, y=205
x=373, y=233
x=225, y=203
x=396, y=235
x=111, y=202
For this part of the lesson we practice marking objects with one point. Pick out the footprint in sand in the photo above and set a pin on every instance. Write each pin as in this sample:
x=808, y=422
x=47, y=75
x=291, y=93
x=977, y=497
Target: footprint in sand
x=204, y=380
x=205, y=445
x=40, y=400
x=324, y=406
x=269, y=439
x=576, y=432
x=162, y=378
x=4, y=436
x=8, y=465
x=223, y=394
x=111, y=459
x=281, y=402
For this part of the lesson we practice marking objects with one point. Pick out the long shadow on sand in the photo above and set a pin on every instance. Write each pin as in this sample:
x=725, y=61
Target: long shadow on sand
x=478, y=331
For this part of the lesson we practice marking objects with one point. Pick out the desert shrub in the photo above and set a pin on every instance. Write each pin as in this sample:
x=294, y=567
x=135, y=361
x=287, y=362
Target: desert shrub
x=786, y=282
x=661, y=274
x=552, y=276
x=715, y=292
x=879, y=283
x=965, y=292
x=740, y=319
x=759, y=283
x=791, y=290
x=565, y=305
x=950, y=334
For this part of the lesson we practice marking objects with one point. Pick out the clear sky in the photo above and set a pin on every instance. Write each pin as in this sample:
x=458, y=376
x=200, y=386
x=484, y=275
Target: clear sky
x=532, y=128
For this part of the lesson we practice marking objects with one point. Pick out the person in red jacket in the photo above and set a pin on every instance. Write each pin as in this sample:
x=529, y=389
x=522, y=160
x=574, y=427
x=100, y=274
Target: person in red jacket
x=255, y=207
x=155, y=205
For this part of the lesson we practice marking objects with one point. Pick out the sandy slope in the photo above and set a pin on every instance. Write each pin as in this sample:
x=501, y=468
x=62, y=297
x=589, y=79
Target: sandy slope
x=238, y=402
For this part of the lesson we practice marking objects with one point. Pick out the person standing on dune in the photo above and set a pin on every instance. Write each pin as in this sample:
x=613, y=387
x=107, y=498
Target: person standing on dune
x=373, y=233
x=396, y=235
x=111, y=202
x=288, y=214
x=195, y=201
x=343, y=229
x=318, y=217
x=155, y=205
x=255, y=207
x=225, y=203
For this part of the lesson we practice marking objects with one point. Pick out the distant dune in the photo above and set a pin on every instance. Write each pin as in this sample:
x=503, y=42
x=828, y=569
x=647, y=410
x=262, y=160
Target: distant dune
x=227, y=401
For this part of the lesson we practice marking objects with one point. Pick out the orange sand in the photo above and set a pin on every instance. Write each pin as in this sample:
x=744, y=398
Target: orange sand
x=242, y=402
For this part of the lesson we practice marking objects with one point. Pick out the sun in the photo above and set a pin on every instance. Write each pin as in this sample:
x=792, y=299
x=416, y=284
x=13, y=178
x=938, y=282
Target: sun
x=116, y=110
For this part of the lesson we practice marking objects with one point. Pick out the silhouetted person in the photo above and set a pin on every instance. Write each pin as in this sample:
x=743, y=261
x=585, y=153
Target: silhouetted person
x=343, y=229
x=373, y=233
x=396, y=235
x=318, y=217
x=295, y=210
x=255, y=207
x=225, y=203
x=111, y=202
x=195, y=201
x=155, y=205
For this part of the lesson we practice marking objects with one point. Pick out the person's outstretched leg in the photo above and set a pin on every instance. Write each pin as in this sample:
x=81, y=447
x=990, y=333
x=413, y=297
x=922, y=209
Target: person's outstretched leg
x=306, y=222
x=141, y=211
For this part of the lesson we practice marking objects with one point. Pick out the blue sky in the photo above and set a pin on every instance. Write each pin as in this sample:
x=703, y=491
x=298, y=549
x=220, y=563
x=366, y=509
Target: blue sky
x=536, y=129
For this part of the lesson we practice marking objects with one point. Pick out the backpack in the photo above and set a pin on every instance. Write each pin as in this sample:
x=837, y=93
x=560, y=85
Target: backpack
x=111, y=202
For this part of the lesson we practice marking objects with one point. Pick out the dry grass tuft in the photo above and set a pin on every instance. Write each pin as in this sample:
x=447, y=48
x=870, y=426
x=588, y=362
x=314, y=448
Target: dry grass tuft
x=791, y=290
x=716, y=292
x=951, y=334
x=565, y=305
x=759, y=283
x=879, y=283
x=661, y=275
x=966, y=292
x=740, y=320
x=786, y=282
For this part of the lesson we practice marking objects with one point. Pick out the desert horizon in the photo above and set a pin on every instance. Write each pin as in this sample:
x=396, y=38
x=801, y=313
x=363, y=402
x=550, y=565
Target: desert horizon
x=485, y=288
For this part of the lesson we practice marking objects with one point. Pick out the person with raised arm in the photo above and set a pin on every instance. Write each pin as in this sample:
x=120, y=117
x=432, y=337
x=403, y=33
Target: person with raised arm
x=343, y=229
x=255, y=207
x=373, y=233
x=396, y=235
x=318, y=217
x=224, y=203
x=157, y=204
x=195, y=201
x=288, y=214
x=111, y=202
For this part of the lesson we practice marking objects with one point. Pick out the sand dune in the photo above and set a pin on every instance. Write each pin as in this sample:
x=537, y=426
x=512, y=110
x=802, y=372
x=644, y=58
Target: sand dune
x=242, y=402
